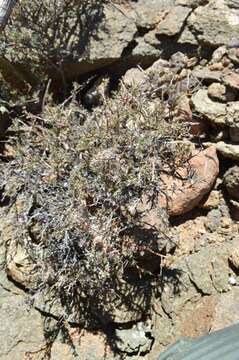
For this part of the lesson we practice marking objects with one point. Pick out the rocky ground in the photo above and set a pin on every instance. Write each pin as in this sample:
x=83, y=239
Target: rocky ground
x=195, y=41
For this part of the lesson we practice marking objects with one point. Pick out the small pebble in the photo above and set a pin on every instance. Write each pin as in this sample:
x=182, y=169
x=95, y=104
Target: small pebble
x=232, y=280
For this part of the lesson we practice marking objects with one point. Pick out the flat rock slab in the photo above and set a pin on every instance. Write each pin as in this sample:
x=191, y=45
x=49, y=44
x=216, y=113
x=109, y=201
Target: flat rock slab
x=227, y=310
x=21, y=330
x=216, y=112
x=230, y=151
x=215, y=24
x=213, y=111
x=174, y=21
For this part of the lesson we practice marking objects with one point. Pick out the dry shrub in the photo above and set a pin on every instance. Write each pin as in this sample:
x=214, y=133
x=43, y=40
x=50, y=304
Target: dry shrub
x=83, y=177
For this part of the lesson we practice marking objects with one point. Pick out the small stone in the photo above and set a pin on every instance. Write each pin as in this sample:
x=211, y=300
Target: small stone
x=178, y=60
x=183, y=196
x=217, y=91
x=212, y=201
x=232, y=280
x=231, y=182
x=234, y=257
x=213, y=220
x=217, y=66
x=225, y=222
x=134, y=77
x=135, y=339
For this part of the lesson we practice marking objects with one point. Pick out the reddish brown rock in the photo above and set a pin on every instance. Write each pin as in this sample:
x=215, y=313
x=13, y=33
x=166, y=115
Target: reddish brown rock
x=184, y=195
x=197, y=322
